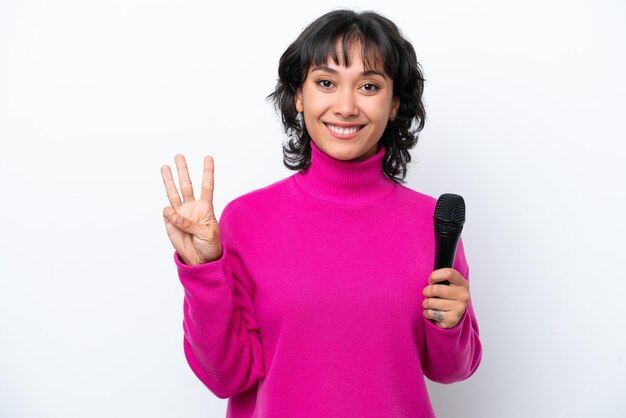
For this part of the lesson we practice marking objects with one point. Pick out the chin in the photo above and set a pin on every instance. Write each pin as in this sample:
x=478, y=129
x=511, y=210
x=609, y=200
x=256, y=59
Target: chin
x=344, y=151
x=345, y=154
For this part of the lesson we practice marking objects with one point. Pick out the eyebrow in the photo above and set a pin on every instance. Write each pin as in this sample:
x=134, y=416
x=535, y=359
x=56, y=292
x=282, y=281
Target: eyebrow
x=364, y=73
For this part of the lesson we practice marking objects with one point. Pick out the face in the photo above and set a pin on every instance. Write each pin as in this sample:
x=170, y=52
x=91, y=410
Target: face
x=346, y=110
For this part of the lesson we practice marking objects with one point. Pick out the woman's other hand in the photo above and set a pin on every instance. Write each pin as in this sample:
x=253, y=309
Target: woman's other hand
x=191, y=224
x=445, y=305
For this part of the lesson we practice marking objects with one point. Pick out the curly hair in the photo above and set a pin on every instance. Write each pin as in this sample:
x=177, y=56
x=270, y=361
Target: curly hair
x=381, y=41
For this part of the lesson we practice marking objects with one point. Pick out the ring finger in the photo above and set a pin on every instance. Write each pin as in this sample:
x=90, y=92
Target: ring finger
x=437, y=303
x=170, y=187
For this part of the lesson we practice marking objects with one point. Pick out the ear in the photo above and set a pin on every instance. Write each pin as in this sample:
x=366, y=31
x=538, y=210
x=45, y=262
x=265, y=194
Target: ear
x=395, y=105
x=299, y=106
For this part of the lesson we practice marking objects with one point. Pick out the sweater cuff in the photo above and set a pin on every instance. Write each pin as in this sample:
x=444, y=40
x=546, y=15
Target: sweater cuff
x=199, y=269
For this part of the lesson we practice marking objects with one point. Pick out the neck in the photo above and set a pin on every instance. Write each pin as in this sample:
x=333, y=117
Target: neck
x=346, y=182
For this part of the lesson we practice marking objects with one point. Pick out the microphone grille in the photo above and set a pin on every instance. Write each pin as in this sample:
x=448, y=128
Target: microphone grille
x=449, y=213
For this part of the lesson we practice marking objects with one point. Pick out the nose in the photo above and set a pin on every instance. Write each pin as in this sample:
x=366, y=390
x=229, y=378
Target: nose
x=345, y=104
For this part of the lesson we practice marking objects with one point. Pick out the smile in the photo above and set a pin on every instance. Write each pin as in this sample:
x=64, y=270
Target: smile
x=343, y=132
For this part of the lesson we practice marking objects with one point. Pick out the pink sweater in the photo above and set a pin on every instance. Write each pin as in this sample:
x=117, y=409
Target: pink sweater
x=314, y=308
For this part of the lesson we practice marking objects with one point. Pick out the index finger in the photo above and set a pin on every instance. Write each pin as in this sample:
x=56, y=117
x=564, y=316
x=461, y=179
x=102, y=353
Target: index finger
x=208, y=183
x=446, y=275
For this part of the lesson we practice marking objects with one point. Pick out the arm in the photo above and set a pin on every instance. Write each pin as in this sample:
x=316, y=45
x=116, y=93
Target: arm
x=222, y=343
x=221, y=336
x=453, y=354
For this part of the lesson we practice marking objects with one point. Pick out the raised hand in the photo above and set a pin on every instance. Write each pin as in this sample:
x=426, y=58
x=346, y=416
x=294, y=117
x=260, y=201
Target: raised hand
x=191, y=224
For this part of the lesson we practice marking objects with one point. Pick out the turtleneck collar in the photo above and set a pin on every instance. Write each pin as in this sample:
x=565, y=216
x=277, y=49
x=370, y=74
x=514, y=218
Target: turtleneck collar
x=346, y=182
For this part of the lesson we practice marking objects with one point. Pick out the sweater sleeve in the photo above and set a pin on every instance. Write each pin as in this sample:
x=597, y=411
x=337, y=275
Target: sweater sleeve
x=453, y=354
x=221, y=335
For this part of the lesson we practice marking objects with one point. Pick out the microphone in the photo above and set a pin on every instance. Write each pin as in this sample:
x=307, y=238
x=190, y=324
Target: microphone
x=449, y=218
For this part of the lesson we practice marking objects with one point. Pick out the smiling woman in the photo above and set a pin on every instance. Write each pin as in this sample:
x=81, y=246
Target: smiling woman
x=346, y=108
x=351, y=71
x=315, y=296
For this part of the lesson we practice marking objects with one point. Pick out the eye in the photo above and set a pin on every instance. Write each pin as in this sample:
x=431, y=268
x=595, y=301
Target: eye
x=372, y=87
x=324, y=83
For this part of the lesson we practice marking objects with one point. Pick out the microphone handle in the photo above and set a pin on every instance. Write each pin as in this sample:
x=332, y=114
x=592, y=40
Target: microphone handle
x=445, y=250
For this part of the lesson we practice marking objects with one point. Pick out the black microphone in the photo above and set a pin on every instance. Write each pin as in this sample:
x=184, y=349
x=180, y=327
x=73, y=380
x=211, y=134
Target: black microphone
x=449, y=218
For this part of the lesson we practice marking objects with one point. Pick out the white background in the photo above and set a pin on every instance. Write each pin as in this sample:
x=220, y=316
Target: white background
x=526, y=104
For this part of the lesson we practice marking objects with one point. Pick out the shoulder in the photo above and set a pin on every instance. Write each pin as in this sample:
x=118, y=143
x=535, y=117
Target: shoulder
x=423, y=207
x=258, y=200
x=415, y=200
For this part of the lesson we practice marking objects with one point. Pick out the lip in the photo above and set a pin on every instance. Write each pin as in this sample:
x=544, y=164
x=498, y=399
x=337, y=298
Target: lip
x=340, y=136
x=344, y=125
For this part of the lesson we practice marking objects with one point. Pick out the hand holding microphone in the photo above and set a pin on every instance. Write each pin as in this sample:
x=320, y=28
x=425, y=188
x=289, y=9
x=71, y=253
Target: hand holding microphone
x=445, y=305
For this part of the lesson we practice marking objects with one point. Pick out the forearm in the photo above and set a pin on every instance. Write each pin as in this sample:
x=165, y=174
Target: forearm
x=453, y=354
x=223, y=351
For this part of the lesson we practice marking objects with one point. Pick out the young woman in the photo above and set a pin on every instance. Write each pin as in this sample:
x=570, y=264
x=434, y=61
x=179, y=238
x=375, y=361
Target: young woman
x=315, y=296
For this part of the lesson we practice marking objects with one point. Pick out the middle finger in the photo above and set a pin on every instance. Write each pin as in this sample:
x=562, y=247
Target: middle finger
x=183, y=178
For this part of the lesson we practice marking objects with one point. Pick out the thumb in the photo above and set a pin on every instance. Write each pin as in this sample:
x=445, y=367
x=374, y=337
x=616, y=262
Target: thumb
x=184, y=224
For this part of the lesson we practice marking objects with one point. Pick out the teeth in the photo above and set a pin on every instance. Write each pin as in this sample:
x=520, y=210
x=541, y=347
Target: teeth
x=343, y=131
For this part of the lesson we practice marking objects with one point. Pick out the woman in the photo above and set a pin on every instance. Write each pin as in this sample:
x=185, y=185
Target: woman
x=315, y=296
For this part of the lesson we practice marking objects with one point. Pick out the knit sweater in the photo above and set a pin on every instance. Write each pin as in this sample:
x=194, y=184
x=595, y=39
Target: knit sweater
x=315, y=307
